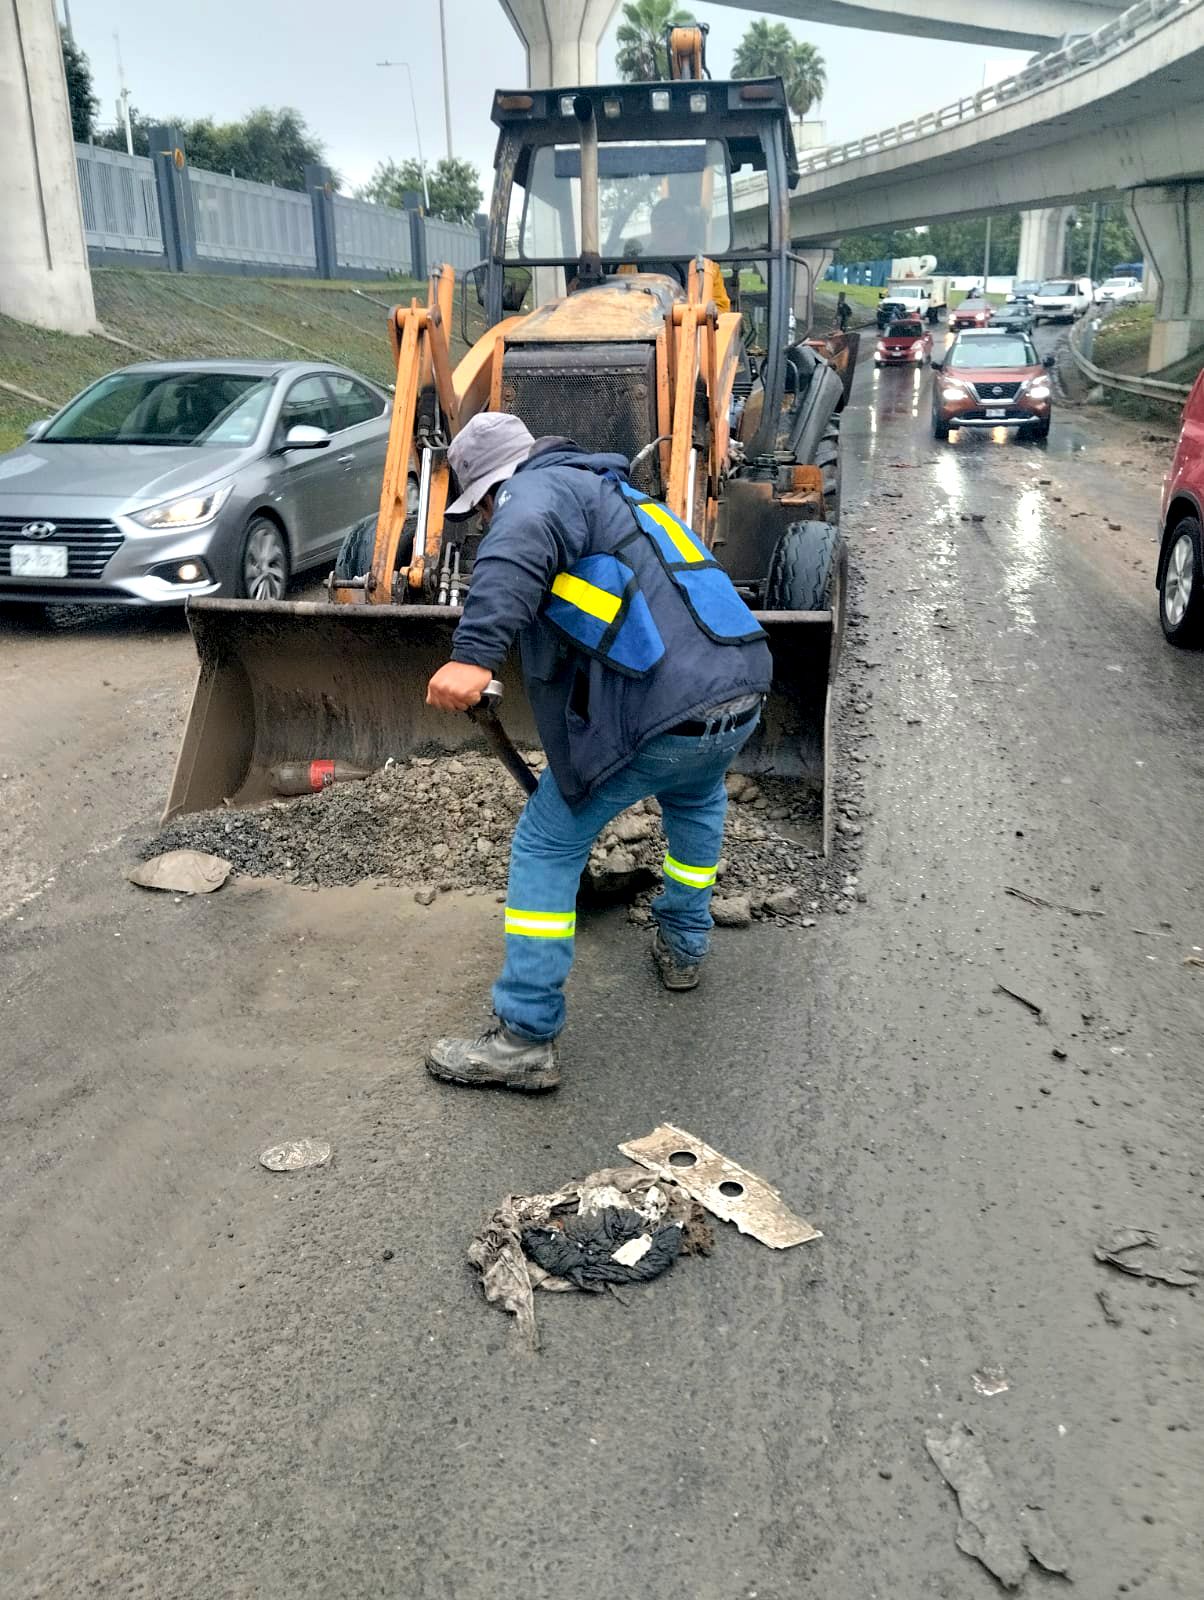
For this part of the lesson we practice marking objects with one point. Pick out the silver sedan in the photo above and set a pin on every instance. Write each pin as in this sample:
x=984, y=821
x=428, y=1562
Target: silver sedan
x=171, y=479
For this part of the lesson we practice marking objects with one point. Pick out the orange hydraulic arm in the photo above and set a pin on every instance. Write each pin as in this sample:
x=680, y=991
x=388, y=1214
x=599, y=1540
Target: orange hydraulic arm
x=425, y=413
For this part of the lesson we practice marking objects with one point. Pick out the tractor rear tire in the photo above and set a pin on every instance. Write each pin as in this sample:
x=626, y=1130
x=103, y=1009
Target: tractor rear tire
x=827, y=459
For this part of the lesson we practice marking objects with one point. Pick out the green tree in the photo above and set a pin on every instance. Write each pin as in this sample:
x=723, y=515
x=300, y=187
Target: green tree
x=80, y=95
x=454, y=187
x=267, y=145
x=641, y=56
x=1116, y=242
x=769, y=49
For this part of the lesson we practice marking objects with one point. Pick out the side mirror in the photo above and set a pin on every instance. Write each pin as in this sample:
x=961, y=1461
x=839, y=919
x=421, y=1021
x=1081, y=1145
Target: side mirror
x=937, y=366
x=303, y=437
x=36, y=429
x=1051, y=361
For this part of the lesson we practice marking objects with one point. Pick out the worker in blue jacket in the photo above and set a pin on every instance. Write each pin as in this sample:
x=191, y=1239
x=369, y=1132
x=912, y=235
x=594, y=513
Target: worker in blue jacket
x=646, y=673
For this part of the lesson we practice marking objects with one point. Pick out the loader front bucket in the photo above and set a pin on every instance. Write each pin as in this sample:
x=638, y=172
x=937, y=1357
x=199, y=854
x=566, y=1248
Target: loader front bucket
x=299, y=681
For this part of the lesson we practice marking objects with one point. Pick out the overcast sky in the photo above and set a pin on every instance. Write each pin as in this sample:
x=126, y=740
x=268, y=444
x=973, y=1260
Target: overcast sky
x=321, y=58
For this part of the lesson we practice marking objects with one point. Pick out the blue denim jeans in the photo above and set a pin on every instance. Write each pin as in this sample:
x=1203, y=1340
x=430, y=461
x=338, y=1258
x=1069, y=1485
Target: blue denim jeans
x=551, y=846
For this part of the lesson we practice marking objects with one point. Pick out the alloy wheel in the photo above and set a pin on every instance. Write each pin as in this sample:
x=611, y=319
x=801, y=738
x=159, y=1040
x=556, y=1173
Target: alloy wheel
x=1180, y=576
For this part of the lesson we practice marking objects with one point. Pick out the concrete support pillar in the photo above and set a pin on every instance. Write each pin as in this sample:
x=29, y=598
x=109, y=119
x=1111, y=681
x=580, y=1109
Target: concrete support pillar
x=44, y=276
x=561, y=39
x=1042, y=243
x=1169, y=221
x=174, y=188
x=319, y=182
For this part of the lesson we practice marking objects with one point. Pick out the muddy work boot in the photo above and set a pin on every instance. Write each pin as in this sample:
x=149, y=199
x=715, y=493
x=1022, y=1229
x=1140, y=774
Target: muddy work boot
x=676, y=972
x=498, y=1059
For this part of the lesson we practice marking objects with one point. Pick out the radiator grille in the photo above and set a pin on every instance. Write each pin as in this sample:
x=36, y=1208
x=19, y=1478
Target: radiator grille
x=91, y=543
x=992, y=393
x=603, y=396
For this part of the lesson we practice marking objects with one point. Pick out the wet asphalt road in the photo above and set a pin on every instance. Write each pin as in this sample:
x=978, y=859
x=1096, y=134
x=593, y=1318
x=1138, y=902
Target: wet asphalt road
x=215, y=1383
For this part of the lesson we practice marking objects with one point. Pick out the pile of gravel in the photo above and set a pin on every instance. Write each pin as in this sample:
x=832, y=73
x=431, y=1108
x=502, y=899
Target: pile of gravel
x=445, y=823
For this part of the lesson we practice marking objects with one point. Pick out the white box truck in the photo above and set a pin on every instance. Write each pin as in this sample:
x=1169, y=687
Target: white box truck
x=922, y=297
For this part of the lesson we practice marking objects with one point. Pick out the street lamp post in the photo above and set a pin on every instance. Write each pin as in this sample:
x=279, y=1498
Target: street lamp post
x=426, y=193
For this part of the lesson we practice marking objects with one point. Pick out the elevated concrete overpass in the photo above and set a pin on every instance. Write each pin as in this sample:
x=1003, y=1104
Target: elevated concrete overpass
x=1002, y=24
x=1121, y=118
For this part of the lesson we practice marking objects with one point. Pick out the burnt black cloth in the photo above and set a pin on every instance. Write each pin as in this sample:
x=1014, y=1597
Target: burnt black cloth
x=581, y=1251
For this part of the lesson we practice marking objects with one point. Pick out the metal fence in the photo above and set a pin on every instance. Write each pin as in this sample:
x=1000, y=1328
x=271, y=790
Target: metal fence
x=237, y=220
x=455, y=243
x=371, y=236
x=120, y=205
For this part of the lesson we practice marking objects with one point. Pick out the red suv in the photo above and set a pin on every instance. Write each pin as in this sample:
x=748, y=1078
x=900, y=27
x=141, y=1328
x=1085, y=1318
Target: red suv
x=1181, y=559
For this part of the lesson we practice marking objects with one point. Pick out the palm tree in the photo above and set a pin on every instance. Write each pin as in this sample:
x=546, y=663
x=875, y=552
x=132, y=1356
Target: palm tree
x=769, y=49
x=641, y=34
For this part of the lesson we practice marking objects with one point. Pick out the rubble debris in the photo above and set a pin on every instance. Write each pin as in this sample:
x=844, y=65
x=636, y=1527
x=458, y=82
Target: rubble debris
x=1029, y=1005
x=181, y=872
x=1051, y=905
x=448, y=821
x=1165, y=1265
x=1193, y=961
x=1003, y=1538
x=1111, y=1316
x=294, y=1154
x=509, y=1277
x=990, y=1381
x=726, y=1190
x=732, y=911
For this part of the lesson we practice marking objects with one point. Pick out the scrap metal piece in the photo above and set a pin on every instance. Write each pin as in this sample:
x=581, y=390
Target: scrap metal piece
x=726, y=1190
x=294, y=1154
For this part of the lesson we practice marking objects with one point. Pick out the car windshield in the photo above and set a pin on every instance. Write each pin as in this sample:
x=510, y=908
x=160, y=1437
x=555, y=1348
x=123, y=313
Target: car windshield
x=1057, y=286
x=666, y=201
x=992, y=352
x=1025, y=286
x=1118, y=283
x=906, y=330
x=165, y=408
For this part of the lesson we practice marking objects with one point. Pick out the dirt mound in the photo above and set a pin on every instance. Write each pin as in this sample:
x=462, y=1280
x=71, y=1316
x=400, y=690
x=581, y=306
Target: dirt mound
x=446, y=824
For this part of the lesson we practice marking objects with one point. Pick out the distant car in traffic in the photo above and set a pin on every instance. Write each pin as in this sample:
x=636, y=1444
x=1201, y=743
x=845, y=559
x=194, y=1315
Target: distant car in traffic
x=1180, y=572
x=1063, y=299
x=1118, y=291
x=172, y=479
x=1023, y=289
x=904, y=344
x=992, y=380
x=974, y=312
x=890, y=311
x=1014, y=318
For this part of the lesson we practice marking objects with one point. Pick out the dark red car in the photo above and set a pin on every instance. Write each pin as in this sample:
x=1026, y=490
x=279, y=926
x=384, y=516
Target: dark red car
x=1181, y=558
x=906, y=343
x=973, y=312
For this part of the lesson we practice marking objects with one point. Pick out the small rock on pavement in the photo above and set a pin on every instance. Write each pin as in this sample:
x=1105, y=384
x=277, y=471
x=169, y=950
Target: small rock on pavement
x=783, y=903
x=425, y=897
x=733, y=911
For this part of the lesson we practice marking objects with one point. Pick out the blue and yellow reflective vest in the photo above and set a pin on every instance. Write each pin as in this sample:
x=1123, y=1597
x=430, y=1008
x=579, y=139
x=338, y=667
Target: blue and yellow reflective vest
x=627, y=624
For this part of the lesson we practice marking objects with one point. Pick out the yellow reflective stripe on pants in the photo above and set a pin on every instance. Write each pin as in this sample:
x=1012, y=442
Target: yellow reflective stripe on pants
x=587, y=597
x=541, y=924
x=692, y=877
x=683, y=543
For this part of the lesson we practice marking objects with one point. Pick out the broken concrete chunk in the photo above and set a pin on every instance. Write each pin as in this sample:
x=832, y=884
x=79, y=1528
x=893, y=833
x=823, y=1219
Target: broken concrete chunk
x=991, y=1530
x=726, y=1190
x=732, y=911
x=182, y=872
x=630, y=829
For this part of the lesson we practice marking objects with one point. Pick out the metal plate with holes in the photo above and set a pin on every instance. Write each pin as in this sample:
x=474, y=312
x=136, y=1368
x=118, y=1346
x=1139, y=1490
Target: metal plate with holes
x=725, y=1189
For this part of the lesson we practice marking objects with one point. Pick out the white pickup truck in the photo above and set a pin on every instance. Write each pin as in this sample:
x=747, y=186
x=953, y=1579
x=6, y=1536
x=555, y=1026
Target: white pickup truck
x=922, y=297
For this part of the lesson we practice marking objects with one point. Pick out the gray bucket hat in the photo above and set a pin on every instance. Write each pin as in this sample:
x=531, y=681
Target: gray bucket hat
x=485, y=452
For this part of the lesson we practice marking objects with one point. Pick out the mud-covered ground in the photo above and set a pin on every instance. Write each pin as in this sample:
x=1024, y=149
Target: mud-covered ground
x=219, y=1381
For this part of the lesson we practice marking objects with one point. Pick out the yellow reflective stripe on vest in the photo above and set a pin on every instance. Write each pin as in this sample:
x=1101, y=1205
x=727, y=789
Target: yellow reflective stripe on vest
x=541, y=924
x=692, y=877
x=685, y=546
x=587, y=597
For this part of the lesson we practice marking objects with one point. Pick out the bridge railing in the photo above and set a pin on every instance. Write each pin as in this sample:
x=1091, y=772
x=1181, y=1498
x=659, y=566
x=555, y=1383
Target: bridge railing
x=1087, y=51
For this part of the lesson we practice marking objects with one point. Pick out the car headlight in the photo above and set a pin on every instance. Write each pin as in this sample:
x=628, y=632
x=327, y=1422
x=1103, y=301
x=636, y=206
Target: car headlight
x=881, y=348
x=1039, y=390
x=953, y=391
x=187, y=511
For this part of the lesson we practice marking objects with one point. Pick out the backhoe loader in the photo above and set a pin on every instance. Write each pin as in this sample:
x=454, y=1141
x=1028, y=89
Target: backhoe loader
x=623, y=217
